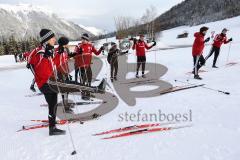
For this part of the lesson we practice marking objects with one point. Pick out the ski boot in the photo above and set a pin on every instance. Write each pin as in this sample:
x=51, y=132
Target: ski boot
x=197, y=77
x=53, y=131
x=111, y=79
x=32, y=88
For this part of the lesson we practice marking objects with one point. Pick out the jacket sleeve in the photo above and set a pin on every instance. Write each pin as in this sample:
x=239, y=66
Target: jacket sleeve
x=226, y=41
x=32, y=59
x=147, y=46
x=134, y=46
x=95, y=51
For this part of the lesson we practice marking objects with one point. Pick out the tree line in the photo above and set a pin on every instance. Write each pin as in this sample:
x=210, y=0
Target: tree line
x=12, y=46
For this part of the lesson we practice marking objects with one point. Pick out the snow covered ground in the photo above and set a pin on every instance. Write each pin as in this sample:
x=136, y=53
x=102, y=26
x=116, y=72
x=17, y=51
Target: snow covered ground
x=215, y=131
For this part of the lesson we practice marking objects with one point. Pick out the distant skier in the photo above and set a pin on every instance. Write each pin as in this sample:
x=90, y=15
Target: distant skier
x=112, y=59
x=218, y=41
x=140, y=46
x=42, y=62
x=28, y=56
x=197, y=51
x=83, y=61
x=16, y=57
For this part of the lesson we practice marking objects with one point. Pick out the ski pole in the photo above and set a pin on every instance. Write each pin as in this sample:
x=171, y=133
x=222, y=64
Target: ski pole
x=58, y=88
x=230, y=45
x=224, y=92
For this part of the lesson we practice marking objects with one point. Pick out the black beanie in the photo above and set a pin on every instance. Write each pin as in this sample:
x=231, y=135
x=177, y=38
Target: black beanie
x=45, y=35
x=63, y=41
x=85, y=36
x=202, y=29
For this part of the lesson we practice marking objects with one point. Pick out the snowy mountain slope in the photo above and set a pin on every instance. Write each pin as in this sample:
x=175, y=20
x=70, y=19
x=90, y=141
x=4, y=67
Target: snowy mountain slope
x=26, y=21
x=214, y=135
x=94, y=30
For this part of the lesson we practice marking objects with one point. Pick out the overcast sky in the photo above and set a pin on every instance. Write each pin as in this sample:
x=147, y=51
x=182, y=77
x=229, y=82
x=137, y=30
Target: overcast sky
x=98, y=13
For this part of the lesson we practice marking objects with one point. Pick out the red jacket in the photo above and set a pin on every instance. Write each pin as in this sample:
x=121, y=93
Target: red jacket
x=219, y=40
x=84, y=59
x=42, y=67
x=140, y=47
x=198, y=44
x=61, y=61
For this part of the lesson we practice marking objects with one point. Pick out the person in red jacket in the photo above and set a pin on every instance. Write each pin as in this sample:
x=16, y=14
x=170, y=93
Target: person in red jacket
x=83, y=59
x=62, y=55
x=218, y=41
x=42, y=62
x=197, y=50
x=140, y=46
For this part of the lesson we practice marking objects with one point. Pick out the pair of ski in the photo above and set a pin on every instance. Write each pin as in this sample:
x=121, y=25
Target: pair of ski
x=78, y=103
x=44, y=123
x=167, y=91
x=180, y=88
x=229, y=64
x=139, y=130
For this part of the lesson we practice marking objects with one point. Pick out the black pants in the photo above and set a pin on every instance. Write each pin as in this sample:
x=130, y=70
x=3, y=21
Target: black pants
x=51, y=98
x=114, y=66
x=76, y=74
x=198, y=62
x=85, y=75
x=141, y=60
x=216, y=52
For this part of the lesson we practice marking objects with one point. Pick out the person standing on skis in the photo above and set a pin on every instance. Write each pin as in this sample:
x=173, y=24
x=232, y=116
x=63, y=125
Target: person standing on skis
x=197, y=51
x=62, y=56
x=42, y=60
x=83, y=59
x=29, y=66
x=218, y=41
x=140, y=46
x=112, y=59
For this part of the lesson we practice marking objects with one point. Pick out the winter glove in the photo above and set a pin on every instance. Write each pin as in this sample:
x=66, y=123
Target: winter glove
x=48, y=51
x=102, y=48
x=134, y=40
x=206, y=40
x=230, y=40
x=154, y=43
x=28, y=66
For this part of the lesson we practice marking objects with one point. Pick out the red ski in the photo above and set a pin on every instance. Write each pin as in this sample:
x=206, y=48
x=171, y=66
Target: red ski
x=44, y=123
x=128, y=128
x=144, y=131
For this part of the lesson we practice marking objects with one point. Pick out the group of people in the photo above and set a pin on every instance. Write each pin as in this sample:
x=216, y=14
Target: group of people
x=49, y=63
x=198, y=47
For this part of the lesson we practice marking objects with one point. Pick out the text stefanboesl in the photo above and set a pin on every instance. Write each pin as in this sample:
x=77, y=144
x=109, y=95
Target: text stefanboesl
x=158, y=116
